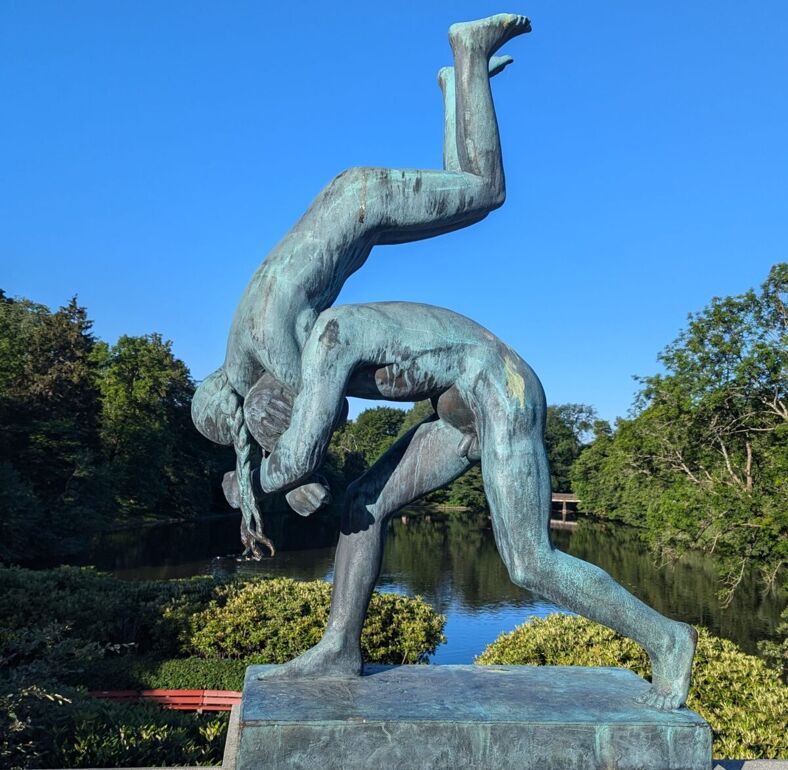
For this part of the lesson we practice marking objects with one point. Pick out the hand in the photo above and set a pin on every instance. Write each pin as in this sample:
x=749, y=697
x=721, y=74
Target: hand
x=308, y=498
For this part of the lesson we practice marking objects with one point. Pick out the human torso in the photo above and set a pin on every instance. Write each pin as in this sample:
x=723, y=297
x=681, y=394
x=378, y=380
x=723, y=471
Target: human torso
x=297, y=281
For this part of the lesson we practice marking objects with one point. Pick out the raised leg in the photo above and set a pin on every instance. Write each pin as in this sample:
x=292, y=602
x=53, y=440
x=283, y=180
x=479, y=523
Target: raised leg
x=426, y=458
x=517, y=483
x=473, y=43
x=451, y=159
x=370, y=206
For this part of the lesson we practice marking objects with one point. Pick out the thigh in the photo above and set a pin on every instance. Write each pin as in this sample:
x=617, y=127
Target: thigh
x=395, y=205
x=423, y=460
x=510, y=418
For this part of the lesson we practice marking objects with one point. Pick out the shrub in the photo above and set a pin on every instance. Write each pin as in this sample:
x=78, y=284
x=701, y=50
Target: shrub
x=41, y=728
x=118, y=735
x=776, y=653
x=743, y=700
x=46, y=721
x=150, y=614
x=129, y=672
x=66, y=630
x=272, y=621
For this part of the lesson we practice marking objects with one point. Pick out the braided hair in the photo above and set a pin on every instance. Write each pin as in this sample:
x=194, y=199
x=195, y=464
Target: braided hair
x=217, y=412
x=242, y=443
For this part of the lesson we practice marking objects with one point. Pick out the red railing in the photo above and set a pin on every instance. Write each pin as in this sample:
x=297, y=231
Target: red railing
x=179, y=700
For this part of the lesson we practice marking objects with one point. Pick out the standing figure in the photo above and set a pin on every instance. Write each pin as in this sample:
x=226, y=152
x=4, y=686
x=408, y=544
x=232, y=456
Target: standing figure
x=361, y=208
x=490, y=406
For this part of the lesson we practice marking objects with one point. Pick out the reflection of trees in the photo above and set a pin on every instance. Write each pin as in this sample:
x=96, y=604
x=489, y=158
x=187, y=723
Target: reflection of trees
x=454, y=557
x=686, y=590
x=450, y=558
x=163, y=547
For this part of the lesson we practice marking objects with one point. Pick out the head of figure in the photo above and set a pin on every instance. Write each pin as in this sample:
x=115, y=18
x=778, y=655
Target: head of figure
x=213, y=408
x=217, y=412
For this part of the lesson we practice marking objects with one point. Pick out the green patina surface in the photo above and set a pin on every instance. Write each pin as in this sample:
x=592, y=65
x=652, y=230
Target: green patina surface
x=466, y=716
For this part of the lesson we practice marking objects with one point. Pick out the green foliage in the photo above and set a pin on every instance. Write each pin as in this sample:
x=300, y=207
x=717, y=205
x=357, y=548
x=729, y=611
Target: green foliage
x=744, y=700
x=159, y=462
x=131, y=672
x=47, y=719
x=566, y=427
x=776, y=653
x=151, y=615
x=52, y=492
x=114, y=735
x=43, y=728
x=368, y=436
x=92, y=434
x=704, y=461
x=272, y=621
x=66, y=630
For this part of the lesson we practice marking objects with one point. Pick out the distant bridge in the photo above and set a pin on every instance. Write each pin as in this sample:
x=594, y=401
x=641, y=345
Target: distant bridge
x=564, y=499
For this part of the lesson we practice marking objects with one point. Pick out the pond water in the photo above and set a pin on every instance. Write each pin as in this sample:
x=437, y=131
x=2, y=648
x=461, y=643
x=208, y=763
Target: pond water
x=450, y=559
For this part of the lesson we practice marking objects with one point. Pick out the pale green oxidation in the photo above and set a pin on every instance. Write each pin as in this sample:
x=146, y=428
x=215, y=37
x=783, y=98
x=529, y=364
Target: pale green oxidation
x=360, y=208
x=292, y=359
x=490, y=406
x=525, y=717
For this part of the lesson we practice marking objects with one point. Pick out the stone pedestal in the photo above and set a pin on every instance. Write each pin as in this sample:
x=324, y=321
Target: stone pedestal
x=485, y=717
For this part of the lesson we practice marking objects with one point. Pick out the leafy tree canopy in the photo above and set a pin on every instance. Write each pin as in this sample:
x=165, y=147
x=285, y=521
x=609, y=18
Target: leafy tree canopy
x=704, y=460
x=91, y=434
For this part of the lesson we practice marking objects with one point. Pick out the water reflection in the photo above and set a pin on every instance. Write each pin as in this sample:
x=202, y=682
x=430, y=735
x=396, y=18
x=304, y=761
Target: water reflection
x=451, y=561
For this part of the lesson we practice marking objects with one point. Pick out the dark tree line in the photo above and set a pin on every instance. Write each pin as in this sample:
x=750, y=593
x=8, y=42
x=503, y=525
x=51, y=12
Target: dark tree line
x=357, y=445
x=91, y=435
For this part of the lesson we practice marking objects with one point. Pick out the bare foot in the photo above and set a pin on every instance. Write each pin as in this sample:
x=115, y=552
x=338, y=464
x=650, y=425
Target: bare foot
x=671, y=671
x=487, y=35
x=329, y=659
x=497, y=65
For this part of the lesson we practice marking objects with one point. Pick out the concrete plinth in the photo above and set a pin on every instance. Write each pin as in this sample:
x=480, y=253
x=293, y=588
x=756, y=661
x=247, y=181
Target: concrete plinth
x=407, y=717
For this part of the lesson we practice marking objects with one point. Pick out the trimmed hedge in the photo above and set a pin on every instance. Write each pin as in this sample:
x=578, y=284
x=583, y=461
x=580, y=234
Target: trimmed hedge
x=743, y=699
x=132, y=673
x=275, y=620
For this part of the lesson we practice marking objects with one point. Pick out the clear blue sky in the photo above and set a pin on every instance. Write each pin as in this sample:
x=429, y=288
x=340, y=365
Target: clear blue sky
x=152, y=152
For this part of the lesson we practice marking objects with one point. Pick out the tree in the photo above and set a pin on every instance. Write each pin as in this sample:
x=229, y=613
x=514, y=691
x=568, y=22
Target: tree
x=704, y=461
x=371, y=433
x=566, y=429
x=159, y=462
x=48, y=428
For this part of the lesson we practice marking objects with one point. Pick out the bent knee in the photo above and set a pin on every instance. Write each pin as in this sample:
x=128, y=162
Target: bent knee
x=534, y=568
x=351, y=177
